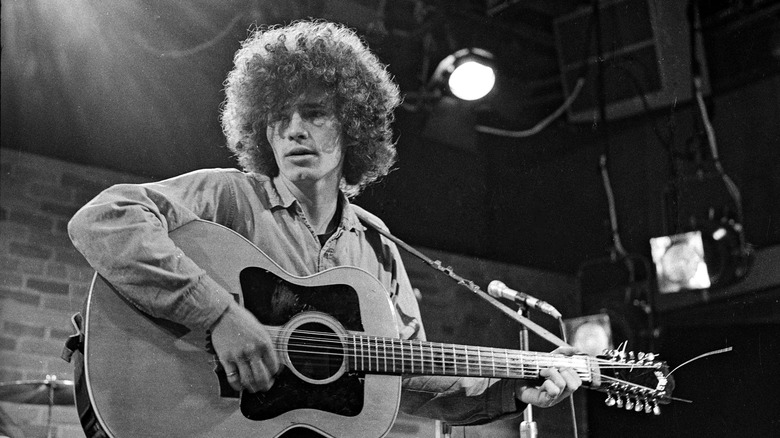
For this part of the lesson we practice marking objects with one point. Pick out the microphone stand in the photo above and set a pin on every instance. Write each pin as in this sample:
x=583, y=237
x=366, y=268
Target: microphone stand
x=528, y=426
x=524, y=321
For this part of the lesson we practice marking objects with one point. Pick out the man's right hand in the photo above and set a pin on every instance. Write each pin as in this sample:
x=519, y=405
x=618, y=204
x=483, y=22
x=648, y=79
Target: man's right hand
x=245, y=349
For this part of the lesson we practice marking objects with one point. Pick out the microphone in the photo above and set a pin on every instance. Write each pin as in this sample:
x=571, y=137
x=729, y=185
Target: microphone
x=498, y=289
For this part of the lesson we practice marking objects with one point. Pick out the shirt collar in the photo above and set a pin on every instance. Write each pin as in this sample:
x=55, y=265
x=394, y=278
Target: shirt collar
x=281, y=196
x=349, y=219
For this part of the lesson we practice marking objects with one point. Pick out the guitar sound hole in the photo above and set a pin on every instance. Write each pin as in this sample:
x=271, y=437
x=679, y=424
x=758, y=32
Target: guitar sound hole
x=315, y=351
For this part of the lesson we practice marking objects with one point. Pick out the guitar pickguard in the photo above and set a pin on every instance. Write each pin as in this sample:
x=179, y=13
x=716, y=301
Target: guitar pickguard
x=274, y=302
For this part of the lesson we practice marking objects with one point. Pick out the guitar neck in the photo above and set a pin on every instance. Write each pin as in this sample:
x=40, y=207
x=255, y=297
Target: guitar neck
x=405, y=357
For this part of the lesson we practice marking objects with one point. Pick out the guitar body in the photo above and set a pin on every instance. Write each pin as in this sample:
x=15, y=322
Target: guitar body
x=147, y=377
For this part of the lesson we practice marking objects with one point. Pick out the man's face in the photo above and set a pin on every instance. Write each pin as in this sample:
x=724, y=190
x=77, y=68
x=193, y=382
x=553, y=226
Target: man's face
x=306, y=140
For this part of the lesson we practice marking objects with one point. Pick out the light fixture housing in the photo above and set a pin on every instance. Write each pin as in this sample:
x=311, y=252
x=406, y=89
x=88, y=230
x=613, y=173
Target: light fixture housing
x=468, y=74
x=713, y=256
x=679, y=262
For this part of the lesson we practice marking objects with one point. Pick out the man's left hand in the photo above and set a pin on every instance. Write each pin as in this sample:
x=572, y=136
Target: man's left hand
x=559, y=383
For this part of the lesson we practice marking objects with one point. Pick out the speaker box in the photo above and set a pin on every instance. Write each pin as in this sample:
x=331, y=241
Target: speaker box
x=646, y=57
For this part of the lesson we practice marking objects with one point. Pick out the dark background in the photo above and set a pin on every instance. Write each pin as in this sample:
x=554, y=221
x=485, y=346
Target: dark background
x=135, y=86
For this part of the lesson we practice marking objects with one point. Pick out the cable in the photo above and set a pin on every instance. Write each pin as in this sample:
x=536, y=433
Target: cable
x=611, y=203
x=543, y=123
x=710, y=131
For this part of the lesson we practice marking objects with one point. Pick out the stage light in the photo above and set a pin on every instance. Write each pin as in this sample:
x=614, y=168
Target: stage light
x=716, y=255
x=590, y=334
x=679, y=262
x=468, y=73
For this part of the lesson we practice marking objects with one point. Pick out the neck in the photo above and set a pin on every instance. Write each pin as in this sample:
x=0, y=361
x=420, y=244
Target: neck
x=318, y=201
x=379, y=355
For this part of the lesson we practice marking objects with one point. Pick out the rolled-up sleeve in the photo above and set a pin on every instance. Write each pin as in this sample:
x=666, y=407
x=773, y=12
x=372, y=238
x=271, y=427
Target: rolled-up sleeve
x=460, y=400
x=123, y=234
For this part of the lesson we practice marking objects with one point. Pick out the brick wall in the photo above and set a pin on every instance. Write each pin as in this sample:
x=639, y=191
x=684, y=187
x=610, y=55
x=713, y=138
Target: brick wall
x=43, y=280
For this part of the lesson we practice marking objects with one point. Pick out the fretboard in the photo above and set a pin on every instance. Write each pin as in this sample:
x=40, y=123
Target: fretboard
x=403, y=357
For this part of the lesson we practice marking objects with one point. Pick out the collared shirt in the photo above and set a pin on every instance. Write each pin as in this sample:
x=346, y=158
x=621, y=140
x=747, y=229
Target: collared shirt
x=123, y=233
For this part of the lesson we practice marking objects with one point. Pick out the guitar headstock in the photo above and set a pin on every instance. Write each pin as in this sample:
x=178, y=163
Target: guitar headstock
x=635, y=382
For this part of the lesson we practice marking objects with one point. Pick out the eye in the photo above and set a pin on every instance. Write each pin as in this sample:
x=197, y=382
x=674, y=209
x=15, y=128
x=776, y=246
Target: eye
x=314, y=114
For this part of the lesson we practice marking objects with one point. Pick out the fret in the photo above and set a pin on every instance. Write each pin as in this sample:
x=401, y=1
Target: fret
x=422, y=359
x=362, y=356
x=403, y=360
x=364, y=353
x=433, y=365
x=493, y=361
x=354, y=352
x=411, y=355
x=536, y=362
x=369, y=353
x=519, y=362
x=479, y=360
x=468, y=359
x=443, y=360
x=384, y=351
x=377, y=364
x=393, y=350
x=415, y=359
x=348, y=354
x=455, y=359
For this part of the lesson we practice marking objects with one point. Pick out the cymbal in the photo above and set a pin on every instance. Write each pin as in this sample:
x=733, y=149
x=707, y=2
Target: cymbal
x=37, y=392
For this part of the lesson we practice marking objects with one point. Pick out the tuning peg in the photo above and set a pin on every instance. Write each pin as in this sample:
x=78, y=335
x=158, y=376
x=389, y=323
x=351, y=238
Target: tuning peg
x=629, y=404
x=619, y=402
x=656, y=409
x=649, y=407
x=610, y=401
x=639, y=406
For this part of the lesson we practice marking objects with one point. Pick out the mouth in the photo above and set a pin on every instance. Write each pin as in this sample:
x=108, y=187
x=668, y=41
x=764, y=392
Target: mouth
x=300, y=152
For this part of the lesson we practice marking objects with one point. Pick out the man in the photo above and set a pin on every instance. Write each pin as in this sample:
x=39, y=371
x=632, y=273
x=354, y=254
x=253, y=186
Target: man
x=308, y=114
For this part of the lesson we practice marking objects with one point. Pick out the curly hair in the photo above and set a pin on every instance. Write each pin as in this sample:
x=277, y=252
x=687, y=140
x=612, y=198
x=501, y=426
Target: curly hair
x=275, y=65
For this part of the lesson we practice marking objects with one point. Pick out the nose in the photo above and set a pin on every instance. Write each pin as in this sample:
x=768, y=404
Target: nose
x=296, y=129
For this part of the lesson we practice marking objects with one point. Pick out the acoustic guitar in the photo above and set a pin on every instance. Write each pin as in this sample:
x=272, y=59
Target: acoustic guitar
x=336, y=334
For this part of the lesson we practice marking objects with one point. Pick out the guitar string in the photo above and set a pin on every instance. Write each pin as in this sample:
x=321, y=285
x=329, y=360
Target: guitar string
x=626, y=387
x=461, y=357
x=436, y=348
x=521, y=371
x=444, y=357
x=431, y=347
x=438, y=367
x=427, y=352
